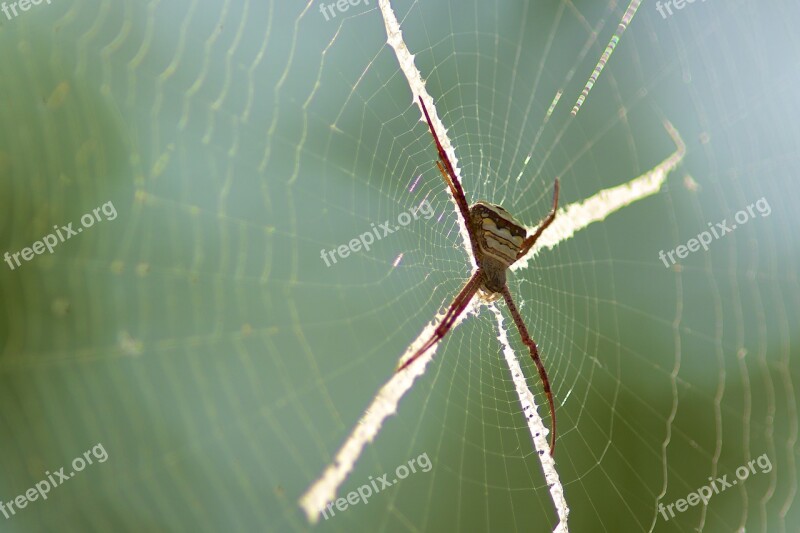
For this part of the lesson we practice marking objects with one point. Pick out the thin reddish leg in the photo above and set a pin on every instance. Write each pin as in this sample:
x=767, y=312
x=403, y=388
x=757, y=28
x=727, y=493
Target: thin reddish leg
x=447, y=179
x=530, y=241
x=456, y=308
x=461, y=198
x=451, y=179
x=526, y=338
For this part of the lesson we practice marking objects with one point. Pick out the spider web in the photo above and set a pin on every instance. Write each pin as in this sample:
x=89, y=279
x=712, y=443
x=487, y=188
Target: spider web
x=203, y=340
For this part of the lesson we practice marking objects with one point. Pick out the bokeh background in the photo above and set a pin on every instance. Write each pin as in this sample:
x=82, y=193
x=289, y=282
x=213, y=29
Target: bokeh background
x=203, y=341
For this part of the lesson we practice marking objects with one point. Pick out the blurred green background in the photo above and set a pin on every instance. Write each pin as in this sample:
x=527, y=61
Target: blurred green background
x=200, y=338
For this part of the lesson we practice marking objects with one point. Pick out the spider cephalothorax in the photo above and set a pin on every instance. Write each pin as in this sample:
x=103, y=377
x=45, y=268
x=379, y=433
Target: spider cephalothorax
x=499, y=238
x=498, y=241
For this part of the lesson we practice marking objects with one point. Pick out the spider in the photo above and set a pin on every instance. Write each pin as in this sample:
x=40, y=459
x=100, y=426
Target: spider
x=498, y=241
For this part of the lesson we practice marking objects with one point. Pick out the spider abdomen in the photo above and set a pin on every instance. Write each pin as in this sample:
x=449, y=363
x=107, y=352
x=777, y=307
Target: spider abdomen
x=499, y=236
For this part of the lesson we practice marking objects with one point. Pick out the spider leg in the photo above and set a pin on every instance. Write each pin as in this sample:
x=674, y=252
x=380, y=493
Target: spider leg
x=530, y=241
x=450, y=178
x=526, y=338
x=456, y=308
x=447, y=179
